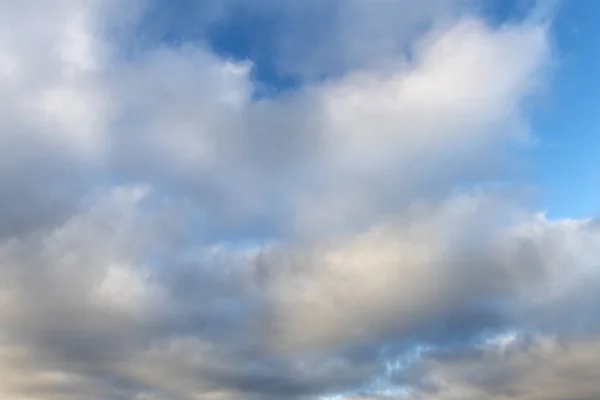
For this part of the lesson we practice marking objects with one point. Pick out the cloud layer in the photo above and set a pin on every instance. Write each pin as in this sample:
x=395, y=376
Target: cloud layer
x=168, y=234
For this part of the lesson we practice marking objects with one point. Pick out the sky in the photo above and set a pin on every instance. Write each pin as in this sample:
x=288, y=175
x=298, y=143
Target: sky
x=299, y=200
x=568, y=122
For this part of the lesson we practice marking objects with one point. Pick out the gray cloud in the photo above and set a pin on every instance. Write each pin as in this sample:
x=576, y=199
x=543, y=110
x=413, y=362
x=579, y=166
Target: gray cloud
x=84, y=313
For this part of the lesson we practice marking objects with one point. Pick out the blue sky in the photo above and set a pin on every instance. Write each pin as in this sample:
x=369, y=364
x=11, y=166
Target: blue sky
x=568, y=123
x=299, y=200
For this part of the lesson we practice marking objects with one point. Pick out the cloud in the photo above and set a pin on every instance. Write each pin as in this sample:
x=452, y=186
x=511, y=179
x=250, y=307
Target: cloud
x=169, y=235
x=86, y=312
x=54, y=110
x=538, y=367
x=342, y=35
x=197, y=125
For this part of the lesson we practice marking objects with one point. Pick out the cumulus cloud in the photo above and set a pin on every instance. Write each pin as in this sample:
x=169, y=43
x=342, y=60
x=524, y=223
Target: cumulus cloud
x=201, y=128
x=168, y=235
x=521, y=367
x=89, y=310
